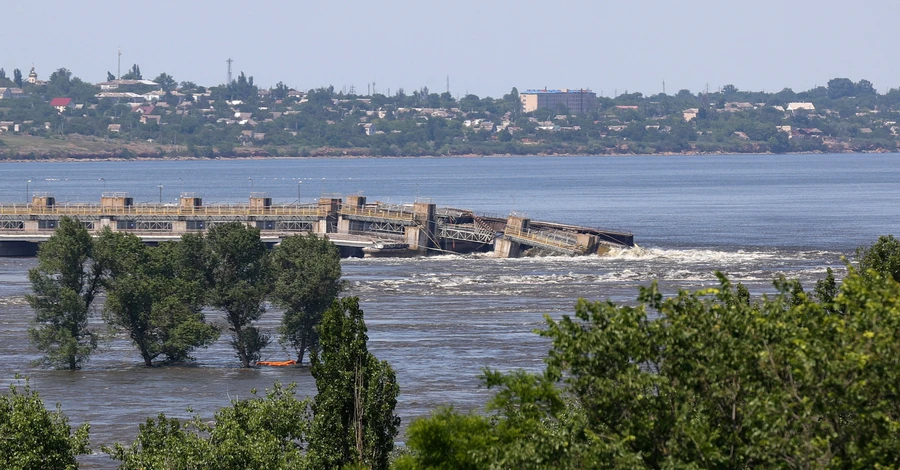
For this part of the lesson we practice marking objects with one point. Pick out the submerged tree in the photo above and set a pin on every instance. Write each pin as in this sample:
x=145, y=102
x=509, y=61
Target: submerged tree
x=156, y=294
x=239, y=275
x=307, y=279
x=64, y=284
x=33, y=437
x=353, y=412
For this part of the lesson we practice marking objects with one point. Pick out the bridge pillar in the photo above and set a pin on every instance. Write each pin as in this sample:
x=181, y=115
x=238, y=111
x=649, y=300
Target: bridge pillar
x=587, y=242
x=506, y=248
x=329, y=208
x=421, y=237
x=30, y=226
x=347, y=225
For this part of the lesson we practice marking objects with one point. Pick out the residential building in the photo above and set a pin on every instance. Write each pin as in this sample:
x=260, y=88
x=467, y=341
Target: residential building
x=5, y=93
x=62, y=103
x=579, y=101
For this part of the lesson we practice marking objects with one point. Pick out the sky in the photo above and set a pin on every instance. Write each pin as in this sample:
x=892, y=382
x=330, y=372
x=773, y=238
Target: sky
x=485, y=47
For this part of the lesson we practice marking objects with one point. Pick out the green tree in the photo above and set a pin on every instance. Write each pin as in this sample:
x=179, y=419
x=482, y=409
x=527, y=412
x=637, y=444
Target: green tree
x=257, y=433
x=155, y=294
x=840, y=88
x=133, y=74
x=64, y=284
x=882, y=257
x=109, y=76
x=353, y=412
x=166, y=82
x=32, y=437
x=307, y=280
x=239, y=275
x=17, y=77
x=702, y=379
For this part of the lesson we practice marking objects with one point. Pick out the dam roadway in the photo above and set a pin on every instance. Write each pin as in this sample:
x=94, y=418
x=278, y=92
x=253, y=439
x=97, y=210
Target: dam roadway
x=356, y=226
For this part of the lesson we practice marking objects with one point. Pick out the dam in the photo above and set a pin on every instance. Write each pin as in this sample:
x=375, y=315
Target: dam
x=356, y=226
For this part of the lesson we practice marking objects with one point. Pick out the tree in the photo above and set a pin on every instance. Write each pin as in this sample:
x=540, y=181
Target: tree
x=882, y=258
x=307, y=280
x=840, y=88
x=729, y=90
x=166, y=82
x=239, y=274
x=702, y=379
x=109, y=76
x=256, y=433
x=64, y=285
x=353, y=412
x=133, y=74
x=33, y=437
x=155, y=294
x=17, y=77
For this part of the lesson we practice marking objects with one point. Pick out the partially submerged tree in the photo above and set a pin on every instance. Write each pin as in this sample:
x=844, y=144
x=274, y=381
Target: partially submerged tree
x=64, y=284
x=353, y=412
x=239, y=275
x=307, y=279
x=155, y=294
x=33, y=437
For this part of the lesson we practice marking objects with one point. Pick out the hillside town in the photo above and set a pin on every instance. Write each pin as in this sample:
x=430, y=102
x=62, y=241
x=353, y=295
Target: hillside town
x=130, y=116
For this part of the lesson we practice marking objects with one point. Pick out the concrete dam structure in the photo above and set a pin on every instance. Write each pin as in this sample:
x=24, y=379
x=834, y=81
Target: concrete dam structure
x=358, y=227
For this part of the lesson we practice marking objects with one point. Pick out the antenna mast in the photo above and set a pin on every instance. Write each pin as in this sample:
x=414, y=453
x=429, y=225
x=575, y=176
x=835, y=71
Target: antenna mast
x=448, y=84
x=229, y=61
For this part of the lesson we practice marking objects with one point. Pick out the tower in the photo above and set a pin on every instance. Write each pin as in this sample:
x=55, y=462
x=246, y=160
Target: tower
x=119, y=66
x=32, y=76
x=229, y=70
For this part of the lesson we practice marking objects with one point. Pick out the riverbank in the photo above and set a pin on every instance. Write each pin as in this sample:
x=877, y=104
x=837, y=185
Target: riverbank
x=89, y=149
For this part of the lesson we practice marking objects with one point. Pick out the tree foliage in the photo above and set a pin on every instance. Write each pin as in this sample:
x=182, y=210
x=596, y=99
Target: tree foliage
x=32, y=437
x=156, y=294
x=702, y=379
x=64, y=285
x=239, y=275
x=306, y=280
x=353, y=412
x=257, y=433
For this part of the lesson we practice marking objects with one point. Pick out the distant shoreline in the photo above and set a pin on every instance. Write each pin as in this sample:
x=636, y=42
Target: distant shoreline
x=95, y=159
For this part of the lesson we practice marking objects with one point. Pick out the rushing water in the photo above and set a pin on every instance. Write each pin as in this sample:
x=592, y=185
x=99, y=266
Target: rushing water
x=440, y=320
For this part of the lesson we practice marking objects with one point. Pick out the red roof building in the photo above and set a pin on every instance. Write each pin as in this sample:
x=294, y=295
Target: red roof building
x=61, y=103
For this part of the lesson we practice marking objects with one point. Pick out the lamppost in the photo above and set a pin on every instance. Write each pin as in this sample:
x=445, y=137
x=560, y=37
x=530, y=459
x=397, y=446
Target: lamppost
x=27, y=190
x=298, y=191
x=104, y=184
x=160, y=193
x=249, y=178
x=182, y=185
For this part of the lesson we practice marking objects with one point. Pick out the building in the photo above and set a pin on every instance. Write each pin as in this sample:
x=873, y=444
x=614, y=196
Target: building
x=61, y=104
x=32, y=76
x=579, y=101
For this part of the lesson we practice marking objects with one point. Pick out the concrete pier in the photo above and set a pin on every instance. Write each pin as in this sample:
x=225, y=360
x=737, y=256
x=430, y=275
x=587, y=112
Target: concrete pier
x=357, y=226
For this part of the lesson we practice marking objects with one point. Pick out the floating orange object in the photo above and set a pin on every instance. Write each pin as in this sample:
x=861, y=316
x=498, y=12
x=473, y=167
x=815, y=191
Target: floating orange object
x=276, y=363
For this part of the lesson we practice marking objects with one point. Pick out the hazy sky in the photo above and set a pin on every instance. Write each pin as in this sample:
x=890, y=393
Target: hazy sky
x=486, y=47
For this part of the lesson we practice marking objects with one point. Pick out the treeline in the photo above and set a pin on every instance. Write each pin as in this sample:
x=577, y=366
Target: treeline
x=157, y=294
x=198, y=121
x=711, y=378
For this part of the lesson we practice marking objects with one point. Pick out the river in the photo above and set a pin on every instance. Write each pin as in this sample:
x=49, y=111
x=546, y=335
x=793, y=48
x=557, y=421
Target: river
x=440, y=320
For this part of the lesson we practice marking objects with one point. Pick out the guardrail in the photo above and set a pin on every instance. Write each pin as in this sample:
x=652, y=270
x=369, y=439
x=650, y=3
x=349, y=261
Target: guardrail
x=95, y=210
x=379, y=213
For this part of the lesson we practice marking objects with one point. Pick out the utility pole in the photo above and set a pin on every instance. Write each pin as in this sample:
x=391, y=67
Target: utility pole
x=160, y=194
x=229, y=61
